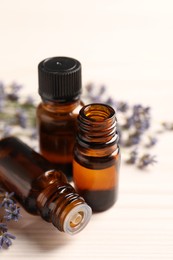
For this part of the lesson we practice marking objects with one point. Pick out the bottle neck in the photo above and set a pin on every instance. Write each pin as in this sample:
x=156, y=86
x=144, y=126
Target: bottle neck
x=61, y=205
x=61, y=105
x=97, y=127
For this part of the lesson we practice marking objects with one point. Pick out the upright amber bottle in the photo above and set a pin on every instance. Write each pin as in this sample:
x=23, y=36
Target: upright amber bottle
x=97, y=156
x=41, y=189
x=60, y=89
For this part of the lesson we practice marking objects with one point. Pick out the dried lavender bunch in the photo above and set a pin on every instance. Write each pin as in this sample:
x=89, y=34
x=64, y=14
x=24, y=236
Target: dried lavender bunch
x=9, y=212
x=134, y=125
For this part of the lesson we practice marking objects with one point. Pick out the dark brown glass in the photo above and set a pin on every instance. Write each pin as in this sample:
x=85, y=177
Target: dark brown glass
x=97, y=156
x=57, y=126
x=41, y=189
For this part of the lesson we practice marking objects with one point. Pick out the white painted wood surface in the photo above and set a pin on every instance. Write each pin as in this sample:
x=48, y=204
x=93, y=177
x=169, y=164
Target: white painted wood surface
x=126, y=45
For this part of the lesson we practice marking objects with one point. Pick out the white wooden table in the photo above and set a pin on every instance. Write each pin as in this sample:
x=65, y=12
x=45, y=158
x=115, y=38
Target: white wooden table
x=126, y=45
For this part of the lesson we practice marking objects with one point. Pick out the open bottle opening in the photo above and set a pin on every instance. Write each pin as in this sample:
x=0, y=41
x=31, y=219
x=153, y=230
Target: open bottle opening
x=77, y=219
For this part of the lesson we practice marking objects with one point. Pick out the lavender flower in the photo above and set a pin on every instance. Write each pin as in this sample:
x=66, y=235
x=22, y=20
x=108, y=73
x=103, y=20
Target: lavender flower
x=143, y=125
x=21, y=118
x=102, y=90
x=6, y=199
x=89, y=88
x=129, y=122
x=133, y=157
x=141, y=118
x=152, y=141
x=146, y=160
x=3, y=227
x=5, y=239
x=122, y=106
x=133, y=139
x=12, y=212
x=110, y=102
x=14, y=92
x=95, y=97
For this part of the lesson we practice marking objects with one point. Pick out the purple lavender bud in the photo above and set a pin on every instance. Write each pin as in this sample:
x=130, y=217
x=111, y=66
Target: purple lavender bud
x=122, y=106
x=152, y=142
x=142, y=124
x=89, y=87
x=133, y=157
x=21, y=118
x=15, y=88
x=102, y=90
x=3, y=227
x=12, y=212
x=146, y=160
x=95, y=99
x=133, y=139
x=7, y=200
x=129, y=122
x=14, y=93
x=137, y=109
x=5, y=239
x=147, y=110
x=110, y=102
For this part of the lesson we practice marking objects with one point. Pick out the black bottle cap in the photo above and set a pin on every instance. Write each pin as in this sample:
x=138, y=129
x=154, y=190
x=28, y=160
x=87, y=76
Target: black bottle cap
x=59, y=78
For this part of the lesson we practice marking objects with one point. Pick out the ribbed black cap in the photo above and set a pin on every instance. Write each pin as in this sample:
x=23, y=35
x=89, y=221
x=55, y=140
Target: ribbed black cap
x=59, y=78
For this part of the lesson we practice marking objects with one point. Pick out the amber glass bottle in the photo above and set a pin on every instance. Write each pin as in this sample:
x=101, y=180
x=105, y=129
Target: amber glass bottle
x=41, y=189
x=97, y=156
x=60, y=89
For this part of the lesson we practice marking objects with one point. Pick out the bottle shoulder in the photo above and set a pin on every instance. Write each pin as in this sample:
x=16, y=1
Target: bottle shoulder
x=97, y=162
x=96, y=154
x=71, y=108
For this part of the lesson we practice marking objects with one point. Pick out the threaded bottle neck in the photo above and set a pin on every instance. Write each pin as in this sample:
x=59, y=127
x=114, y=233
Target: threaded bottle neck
x=97, y=126
x=62, y=206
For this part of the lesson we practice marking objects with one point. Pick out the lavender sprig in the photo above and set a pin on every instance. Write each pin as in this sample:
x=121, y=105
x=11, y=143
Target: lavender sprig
x=11, y=212
x=5, y=239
